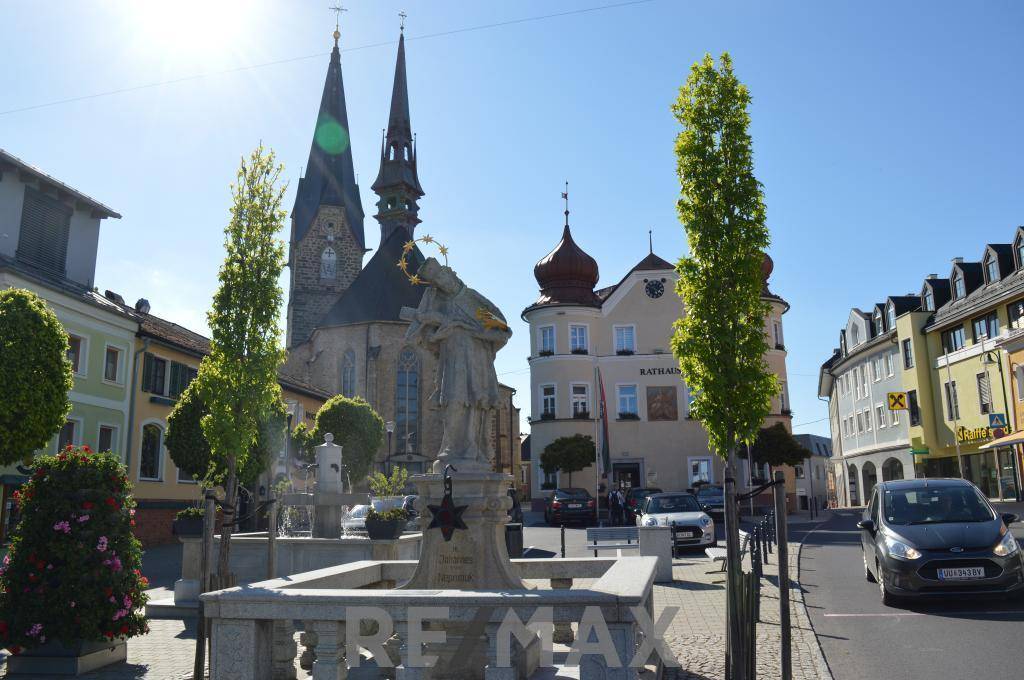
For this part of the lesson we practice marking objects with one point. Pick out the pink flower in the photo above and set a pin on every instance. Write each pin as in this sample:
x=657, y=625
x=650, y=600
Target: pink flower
x=83, y=518
x=62, y=526
x=111, y=600
x=72, y=604
x=36, y=629
x=102, y=544
x=127, y=602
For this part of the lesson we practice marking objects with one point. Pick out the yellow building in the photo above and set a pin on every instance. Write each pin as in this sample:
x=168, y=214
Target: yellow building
x=166, y=358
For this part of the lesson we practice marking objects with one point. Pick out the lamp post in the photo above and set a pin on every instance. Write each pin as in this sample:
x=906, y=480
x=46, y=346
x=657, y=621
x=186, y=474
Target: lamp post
x=390, y=427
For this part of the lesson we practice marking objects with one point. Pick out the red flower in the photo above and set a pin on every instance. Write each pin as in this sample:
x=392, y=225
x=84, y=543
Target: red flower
x=123, y=630
x=88, y=505
x=133, y=522
x=111, y=502
x=15, y=649
x=86, y=448
x=69, y=447
x=108, y=591
x=109, y=634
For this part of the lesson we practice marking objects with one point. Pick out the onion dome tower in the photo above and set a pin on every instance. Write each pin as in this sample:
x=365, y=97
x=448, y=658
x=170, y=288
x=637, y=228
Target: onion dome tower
x=567, y=275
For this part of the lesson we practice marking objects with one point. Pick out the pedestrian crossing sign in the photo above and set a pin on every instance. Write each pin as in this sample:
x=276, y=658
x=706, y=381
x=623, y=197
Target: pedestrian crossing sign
x=997, y=420
x=897, y=401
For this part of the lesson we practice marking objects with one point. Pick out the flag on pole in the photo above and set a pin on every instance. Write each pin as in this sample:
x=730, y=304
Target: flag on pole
x=605, y=455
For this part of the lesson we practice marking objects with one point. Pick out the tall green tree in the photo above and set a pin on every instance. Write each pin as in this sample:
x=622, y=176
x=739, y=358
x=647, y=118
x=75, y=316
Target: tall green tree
x=238, y=380
x=568, y=455
x=720, y=340
x=357, y=429
x=35, y=375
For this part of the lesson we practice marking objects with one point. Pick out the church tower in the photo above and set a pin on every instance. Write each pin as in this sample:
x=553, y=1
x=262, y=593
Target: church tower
x=327, y=241
x=397, y=183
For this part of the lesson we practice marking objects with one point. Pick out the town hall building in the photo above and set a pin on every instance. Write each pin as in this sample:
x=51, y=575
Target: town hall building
x=345, y=334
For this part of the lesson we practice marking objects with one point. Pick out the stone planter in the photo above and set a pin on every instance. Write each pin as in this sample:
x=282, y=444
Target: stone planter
x=55, y=658
x=384, y=530
x=189, y=526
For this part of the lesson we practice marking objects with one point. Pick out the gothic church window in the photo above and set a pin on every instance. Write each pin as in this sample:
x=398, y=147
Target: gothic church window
x=328, y=264
x=407, y=403
x=348, y=374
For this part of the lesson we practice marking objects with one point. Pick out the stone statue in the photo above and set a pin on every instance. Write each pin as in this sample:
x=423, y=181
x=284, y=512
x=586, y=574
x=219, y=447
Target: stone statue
x=464, y=331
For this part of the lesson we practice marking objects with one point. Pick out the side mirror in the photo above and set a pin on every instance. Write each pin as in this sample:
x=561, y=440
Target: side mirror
x=1009, y=518
x=706, y=508
x=866, y=525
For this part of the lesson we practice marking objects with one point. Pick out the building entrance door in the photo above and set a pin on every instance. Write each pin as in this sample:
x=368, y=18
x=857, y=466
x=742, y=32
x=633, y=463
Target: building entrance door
x=625, y=475
x=1008, y=474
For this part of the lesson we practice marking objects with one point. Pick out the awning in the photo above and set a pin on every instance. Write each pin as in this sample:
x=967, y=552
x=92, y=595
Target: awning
x=1008, y=440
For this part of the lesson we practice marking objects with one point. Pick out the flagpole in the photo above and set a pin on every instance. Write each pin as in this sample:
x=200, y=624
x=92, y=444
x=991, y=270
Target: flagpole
x=597, y=449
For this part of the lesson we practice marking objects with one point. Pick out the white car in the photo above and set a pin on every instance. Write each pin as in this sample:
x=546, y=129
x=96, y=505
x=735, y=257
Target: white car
x=694, y=527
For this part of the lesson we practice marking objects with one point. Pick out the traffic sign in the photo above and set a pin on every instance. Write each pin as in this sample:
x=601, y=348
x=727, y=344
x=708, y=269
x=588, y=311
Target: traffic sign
x=997, y=420
x=897, y=401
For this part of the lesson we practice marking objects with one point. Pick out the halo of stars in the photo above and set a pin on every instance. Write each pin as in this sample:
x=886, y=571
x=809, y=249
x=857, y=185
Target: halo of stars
x=403, y=262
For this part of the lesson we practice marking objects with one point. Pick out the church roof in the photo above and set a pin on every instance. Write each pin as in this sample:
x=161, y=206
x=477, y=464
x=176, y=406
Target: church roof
x=330, y=175
x=399, y=133
x=381, y=289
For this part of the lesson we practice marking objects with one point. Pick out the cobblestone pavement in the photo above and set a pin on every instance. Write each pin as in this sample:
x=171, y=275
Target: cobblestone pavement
x=697, y=634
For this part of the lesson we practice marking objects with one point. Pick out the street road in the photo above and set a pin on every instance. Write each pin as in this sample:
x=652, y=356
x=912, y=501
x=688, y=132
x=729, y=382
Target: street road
x=864, y=640
x=546, y=540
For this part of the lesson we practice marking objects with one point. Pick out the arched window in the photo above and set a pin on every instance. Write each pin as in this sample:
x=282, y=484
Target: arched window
x=852, y=481
x=892, y=469
x=407, y=403
x=328, y=264
x=152, y=448
x=870, y=479
x=348, y=374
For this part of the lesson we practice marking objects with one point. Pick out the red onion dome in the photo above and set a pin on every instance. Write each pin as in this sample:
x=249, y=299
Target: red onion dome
x=567, y=274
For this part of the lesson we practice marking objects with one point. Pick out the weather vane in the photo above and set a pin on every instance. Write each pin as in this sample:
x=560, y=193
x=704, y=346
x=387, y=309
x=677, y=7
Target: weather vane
x=403, y=15
x=565, y=197
x=337, y=9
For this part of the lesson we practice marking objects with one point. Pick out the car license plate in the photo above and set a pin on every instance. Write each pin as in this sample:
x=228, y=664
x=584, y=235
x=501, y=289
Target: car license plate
x=961, y=573
x=573, y=506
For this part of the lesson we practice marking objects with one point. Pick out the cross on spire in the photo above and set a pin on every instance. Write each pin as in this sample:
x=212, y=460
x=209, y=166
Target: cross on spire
x=650, y=240
x=403, y=15
x=565, y=197
x=337, y=9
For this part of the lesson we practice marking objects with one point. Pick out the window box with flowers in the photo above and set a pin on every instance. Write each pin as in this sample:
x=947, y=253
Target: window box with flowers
x=71, y=592
x=625, y=352
x=581, y=415
x=580, y=350
x=546, y=353
x=547, y=415
x=629, y=416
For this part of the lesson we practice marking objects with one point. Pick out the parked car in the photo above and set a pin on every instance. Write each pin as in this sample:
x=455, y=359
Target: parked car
x=712, y=499
x=633, y=498
x=569, y=505
x=938, y=537
x=694, y=527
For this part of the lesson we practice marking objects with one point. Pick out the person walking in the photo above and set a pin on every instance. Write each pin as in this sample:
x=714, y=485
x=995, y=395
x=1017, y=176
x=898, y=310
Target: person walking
x=614, y=508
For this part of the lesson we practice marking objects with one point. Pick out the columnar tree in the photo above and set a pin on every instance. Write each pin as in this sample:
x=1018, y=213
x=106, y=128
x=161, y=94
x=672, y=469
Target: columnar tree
x=35, y=375
x=776, y=446
x=720, y=341
x=238, y=380
x=568, y=455
x=357, y=429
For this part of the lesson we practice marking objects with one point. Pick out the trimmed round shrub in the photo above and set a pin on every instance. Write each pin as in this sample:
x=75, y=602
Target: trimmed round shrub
x=356, y=428
x=72, y=571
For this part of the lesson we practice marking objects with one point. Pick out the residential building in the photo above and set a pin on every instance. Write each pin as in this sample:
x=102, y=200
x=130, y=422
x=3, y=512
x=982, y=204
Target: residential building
x=48, y=239
x=812, y=484
x=346, y=333
x=612, y=345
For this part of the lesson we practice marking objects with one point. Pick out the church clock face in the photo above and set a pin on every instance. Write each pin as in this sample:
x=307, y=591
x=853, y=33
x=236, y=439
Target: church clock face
x=654, y=288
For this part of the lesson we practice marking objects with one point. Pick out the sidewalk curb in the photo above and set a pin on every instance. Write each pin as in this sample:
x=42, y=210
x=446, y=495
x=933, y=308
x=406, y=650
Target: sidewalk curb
x=824, y=671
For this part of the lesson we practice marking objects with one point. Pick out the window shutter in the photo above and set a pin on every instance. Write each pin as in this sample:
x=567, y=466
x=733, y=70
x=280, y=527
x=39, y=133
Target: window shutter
x=176, y=378
x=43, y=239
x=147, y=372
x=985, y=390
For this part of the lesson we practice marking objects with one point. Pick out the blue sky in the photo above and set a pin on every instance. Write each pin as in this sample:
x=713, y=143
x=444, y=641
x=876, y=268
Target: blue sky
x=887, y=135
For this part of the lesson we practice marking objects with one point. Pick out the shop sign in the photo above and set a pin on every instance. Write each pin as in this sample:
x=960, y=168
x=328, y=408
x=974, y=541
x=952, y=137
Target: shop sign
x=966, y=435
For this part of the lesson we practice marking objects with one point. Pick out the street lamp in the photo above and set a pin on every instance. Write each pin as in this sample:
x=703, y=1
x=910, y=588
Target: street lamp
x=390, y=427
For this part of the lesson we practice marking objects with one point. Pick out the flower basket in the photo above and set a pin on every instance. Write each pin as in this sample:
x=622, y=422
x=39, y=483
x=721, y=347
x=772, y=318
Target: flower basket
x=188, y=527
x=384, y=529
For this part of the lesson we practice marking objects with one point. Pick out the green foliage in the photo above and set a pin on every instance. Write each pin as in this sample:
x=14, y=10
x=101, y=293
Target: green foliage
x=776, y=446
x=394, y=485
x=387, y=515
x=568, y=455
x=35, y=375
x=72, y=571
x=190, y=513
x=303, y=443
x=720, y=341
x=356, y=428
x=187, y=445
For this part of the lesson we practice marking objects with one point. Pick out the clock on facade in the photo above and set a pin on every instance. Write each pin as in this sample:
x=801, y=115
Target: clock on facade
x=654, y=288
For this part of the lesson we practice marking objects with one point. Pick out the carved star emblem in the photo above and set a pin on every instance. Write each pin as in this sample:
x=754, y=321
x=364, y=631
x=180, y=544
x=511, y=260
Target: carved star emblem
x=447, y=517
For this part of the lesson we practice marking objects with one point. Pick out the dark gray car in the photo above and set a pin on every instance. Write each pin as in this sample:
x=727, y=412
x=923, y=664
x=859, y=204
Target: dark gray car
x=938, y=537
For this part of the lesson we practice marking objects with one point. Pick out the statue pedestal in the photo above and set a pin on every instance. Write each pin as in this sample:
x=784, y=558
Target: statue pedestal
x=475, y=558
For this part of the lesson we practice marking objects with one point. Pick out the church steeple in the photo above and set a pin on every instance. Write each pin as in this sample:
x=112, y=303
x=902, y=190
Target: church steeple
x=397, y=183
x=330, y=176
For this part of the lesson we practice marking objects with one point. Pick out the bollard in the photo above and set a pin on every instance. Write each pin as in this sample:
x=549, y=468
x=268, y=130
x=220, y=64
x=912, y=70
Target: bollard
x=563, y=540
x=755, y=553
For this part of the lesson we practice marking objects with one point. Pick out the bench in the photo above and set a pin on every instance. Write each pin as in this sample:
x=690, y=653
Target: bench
x=596, y=537
x=721, y=554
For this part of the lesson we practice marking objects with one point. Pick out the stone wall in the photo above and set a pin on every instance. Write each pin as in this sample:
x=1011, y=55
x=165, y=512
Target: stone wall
x=153, y=526
x=311, y=296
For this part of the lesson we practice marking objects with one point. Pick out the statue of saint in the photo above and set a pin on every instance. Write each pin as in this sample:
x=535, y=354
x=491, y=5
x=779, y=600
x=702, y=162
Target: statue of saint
x=464, y=331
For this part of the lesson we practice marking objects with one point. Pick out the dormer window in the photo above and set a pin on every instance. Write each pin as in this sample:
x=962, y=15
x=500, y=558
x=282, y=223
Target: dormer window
x=1018, y=248
x=991, y=268
x=890, y=317
x=928, y=299
x=957, y=283
x=878, y=322
x=855, y=335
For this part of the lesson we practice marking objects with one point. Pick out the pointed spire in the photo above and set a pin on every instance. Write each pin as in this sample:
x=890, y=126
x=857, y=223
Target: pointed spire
x=330, y=175
x=397, y=183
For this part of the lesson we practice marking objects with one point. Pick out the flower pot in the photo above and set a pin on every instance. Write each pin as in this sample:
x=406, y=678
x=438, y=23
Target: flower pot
x=189, y=526
x=75, y=658
x=384, y=530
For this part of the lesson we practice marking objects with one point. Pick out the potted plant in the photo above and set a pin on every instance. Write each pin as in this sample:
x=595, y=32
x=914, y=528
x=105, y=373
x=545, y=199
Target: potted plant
x=188, y=522
x=387, y=518
x=70, y=586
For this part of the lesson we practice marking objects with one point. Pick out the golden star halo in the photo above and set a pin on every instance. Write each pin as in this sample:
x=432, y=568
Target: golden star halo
x=407, y=248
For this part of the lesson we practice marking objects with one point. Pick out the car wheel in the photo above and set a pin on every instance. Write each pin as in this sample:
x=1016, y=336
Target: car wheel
x=868, y=576
x=888, y=599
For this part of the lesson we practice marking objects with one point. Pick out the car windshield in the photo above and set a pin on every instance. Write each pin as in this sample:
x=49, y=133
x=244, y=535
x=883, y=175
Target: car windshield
x=710, y=493
x=935, y=505
x=359, y=511
x=573, y=493
x=679, y=503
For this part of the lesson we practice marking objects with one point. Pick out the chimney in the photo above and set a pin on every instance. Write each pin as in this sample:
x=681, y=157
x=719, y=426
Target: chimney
x=142, y=306
x=113, y=297
x=958, y=260
x=932, y=276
